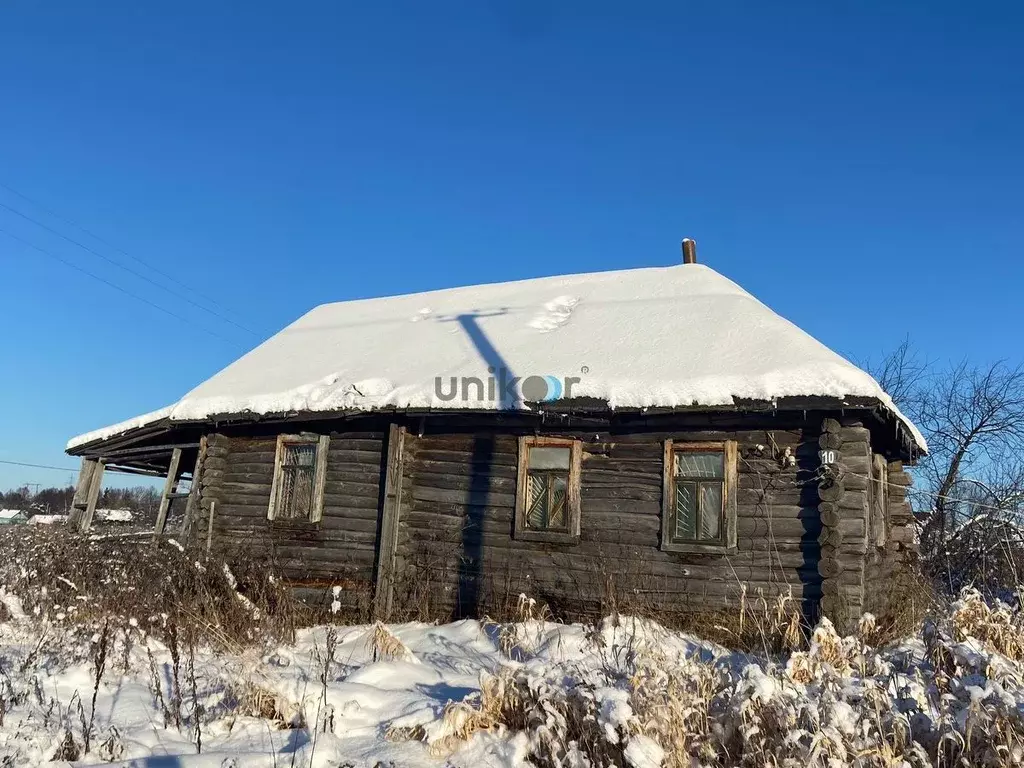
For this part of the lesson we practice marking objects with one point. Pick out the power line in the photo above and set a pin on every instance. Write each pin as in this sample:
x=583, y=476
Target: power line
x=106, y=282
x=37, y=466
x=930, y=494
x=97, y=238
x=129, y=270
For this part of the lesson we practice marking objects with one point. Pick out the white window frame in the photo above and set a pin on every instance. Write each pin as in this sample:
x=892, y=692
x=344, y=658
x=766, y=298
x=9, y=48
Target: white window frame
x=323, y=444
x=727, y=545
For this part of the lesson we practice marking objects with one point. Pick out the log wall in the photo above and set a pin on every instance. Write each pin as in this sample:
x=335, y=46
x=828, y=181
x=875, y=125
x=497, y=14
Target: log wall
x=844, y=511
x=887, y=566
x=340, y=550
x=457, y=555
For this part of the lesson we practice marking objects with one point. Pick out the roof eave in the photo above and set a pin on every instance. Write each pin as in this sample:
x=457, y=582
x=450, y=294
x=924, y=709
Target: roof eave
x=123, y=444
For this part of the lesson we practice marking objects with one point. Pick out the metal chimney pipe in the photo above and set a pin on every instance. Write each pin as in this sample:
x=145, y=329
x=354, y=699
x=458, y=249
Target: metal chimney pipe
x=689, y=251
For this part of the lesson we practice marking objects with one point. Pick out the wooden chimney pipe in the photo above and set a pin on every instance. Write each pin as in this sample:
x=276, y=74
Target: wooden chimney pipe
x=689, y=251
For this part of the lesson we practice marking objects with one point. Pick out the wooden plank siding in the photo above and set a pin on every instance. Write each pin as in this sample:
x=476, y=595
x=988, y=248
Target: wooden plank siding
x=459, y=557
x=887, y=568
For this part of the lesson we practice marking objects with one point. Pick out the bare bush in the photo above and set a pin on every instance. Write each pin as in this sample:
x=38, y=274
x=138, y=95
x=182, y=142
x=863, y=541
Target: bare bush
x=969, y=489
x=89, y=582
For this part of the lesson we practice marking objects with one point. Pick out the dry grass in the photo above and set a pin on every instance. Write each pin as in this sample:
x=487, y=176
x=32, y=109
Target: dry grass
x=839, y=702
x=255, y=700
x=72, y=580
x=385, y=646
x=908, y=598
x=756, y=624
x=997, y=626
x=498, y=697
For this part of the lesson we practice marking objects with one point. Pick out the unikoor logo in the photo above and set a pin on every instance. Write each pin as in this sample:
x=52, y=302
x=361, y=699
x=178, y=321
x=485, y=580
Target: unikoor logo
x=502, y=386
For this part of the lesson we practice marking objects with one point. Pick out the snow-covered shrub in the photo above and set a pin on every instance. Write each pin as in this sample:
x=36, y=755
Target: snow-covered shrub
x=997, y=625
x=565, y=718
x=384, y=645
x=951, y=695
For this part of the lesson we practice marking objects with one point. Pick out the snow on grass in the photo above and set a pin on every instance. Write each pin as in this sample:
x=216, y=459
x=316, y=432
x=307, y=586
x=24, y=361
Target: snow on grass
x=112, y=652
x=625, y=692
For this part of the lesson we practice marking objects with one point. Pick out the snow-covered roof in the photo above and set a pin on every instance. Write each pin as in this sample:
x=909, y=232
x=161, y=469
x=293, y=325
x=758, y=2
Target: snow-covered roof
x=47, y=519
x=115, y=515
x=10, y=514
x=675, y=336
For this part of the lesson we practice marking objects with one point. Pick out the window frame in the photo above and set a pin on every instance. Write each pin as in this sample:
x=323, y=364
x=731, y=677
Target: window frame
x=727, y=544
x=572, y=492
x=316, y=510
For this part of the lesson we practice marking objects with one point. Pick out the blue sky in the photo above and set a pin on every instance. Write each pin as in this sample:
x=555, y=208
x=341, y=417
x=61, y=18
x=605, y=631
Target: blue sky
x=857, y=166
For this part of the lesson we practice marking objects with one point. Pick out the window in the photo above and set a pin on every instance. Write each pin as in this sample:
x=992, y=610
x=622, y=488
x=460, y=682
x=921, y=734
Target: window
x=699, y=497
x=300, y=468
x=879, y=500
x=548, y=490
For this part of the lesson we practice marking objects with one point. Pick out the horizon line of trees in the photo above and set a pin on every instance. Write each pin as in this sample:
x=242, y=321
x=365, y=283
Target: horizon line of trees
x=142, y=500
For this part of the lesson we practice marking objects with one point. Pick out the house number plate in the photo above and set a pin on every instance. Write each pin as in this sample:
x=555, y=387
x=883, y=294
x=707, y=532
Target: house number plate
x=829, y=456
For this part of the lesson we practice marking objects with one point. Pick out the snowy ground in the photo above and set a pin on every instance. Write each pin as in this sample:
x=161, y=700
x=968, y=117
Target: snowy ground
x=48, y=682
x=535, y=693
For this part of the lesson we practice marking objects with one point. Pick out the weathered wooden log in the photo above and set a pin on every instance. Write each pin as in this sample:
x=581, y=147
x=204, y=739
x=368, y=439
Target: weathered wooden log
x=858, y=448
x=231, y=468
x=421, y=466
x=829, y=514
x=829, y=568
x=854, y=482
x=830, y=441
x=853, y=434
x=780, y=528
x=778, y=511
x=465, y=482
x=803, y=496
x=468, y=458
x=831, y=490
x=852, y=528
x=857, y=464
x=464, y=497
x=830, y=537
x=617, y=479
x=339, y=442
x=853, y=500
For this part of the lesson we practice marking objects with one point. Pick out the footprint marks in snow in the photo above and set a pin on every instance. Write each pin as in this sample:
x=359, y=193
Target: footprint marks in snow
x=555, y=313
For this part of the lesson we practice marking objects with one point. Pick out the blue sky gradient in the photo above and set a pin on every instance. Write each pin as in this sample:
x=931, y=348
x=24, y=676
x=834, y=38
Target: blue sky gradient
x=857, y=167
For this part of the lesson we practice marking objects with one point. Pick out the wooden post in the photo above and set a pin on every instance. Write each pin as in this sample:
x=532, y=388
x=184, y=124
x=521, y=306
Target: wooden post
x=387, y=547
x=95, y=484
x=78, y=503
x=192, y=505
x=165, y=500
x=209, y=527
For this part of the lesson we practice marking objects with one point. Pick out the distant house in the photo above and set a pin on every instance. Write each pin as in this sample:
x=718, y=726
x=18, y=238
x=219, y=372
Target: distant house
x=654, y=434
x=13, y=516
